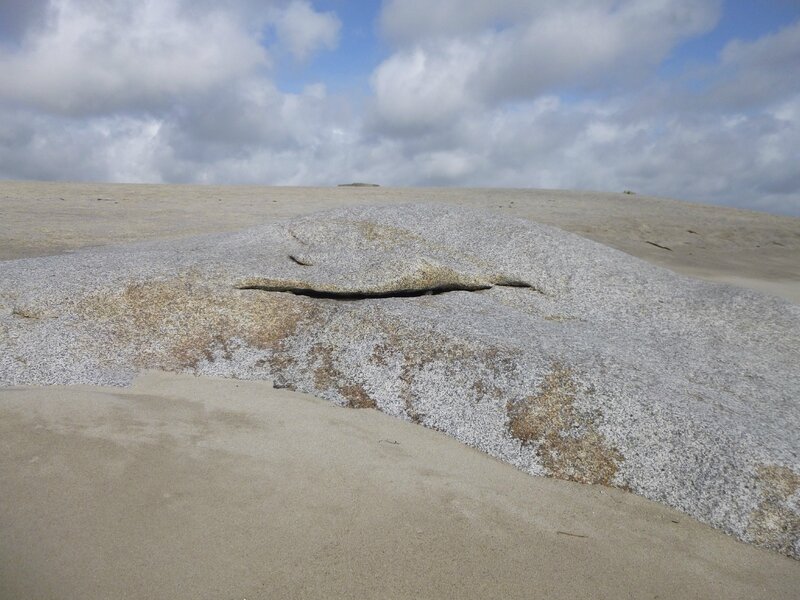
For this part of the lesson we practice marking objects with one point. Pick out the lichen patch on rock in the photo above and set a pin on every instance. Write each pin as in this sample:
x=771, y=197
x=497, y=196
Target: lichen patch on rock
x=775, y=524
x=408, y=309
x=568, y=444
x=176, y=323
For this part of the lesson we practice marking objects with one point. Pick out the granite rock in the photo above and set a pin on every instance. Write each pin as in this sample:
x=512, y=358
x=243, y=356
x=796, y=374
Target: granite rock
x=548, y=351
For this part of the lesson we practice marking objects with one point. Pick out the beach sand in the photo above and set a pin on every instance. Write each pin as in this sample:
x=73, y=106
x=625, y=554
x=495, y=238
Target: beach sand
x=198, y=488
x=184, y=487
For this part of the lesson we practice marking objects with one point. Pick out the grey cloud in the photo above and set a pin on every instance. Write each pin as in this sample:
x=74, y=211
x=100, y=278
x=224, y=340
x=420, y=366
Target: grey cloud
x=752, y=73
x=575, y=44
x=502, y=83
x=304, y=31
x=746, y=76
x=116, y=56
x=588, y=48
x=251, y=118
x=410, y=21
x=106, y=57
x=746, y=161
x=544, y=144
x=19, y=17
x=51, y=147
x=447, y=108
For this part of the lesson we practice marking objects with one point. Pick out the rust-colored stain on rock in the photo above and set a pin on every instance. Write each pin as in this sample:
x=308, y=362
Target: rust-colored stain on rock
x=773, y=524
x=568, y=445
x=175, y=324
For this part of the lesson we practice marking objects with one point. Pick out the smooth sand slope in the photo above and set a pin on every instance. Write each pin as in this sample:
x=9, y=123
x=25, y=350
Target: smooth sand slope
x=202, y=488
x=199, y=488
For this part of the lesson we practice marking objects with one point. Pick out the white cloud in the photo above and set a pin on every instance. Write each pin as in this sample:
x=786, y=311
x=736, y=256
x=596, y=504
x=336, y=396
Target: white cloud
x=595, y=46
x=422, y=88
x=116, y=148
x=304, y=31
x=408, y=22
x=411, y=21
x=180, y=90
x=753, y=73
x=108, y=56
x=480, y=81
x=492, y=52
x=159, y=90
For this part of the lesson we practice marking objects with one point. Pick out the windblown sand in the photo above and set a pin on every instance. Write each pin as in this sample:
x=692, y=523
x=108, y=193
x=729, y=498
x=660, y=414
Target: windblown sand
x=198, y=488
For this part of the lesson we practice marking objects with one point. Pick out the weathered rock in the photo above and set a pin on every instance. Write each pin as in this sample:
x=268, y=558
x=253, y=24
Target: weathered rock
x=548, y=351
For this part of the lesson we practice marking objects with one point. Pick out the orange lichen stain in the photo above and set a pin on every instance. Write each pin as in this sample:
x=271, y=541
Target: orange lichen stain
x=774, y=524
x=326, y=375
x=175, y=324
x=568, y=445
x=356, y=396
x=380, y=355
x=24, y=313
x=374, y=232
x=483, y=390
x=559, y=318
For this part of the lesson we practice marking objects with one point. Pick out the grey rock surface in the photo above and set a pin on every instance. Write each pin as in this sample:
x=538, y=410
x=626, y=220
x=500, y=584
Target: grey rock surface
x=556, y=354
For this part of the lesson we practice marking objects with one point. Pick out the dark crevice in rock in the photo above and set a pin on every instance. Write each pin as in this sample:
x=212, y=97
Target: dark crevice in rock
x=350, y=296
x=398, y=293
x=516, y=284
x=24, y=313
x=300, y=261
x=519, y=284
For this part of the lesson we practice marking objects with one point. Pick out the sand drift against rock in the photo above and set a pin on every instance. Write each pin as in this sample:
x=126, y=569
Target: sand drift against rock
x=548, y=351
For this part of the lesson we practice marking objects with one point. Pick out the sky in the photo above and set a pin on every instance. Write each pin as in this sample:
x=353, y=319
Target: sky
x=689, y=99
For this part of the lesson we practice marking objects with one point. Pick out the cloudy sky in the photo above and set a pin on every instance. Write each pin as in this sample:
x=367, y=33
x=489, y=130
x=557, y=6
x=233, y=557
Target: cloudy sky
x=692, y=99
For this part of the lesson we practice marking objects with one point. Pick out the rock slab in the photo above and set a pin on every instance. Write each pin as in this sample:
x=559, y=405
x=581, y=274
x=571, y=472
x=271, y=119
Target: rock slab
x=556, y=354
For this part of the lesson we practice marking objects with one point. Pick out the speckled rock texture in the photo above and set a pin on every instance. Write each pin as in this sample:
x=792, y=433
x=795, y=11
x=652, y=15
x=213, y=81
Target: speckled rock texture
x=553, y=353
